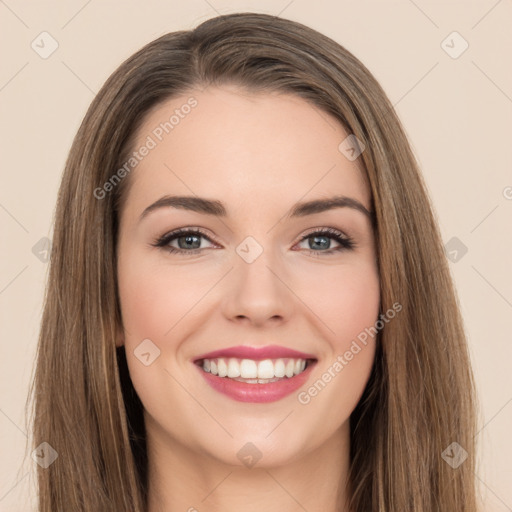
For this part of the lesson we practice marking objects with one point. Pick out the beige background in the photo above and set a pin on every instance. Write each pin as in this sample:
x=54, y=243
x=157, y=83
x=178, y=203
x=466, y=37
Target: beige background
x=457, y=112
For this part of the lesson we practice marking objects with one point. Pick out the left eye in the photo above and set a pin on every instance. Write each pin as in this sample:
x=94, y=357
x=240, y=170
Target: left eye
x=321, y=239
x=189, y=241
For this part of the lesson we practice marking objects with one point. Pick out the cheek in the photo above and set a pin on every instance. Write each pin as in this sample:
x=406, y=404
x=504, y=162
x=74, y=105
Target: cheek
x=347, y=303
x=345, y=299
x=154, y=298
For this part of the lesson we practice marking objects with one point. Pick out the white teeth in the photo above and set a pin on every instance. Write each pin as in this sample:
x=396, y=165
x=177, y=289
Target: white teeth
x=233, y=369
x=248, y=369
x=222, y=368
x=267, y=369
x=279, y=368
x=290, y=365
x=257, y=381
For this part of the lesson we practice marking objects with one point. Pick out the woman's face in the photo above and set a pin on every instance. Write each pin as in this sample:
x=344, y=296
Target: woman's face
x=257, y=275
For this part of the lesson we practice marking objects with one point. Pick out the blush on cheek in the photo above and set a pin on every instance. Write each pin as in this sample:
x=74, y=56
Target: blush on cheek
x=151, y=302
x=348, y=305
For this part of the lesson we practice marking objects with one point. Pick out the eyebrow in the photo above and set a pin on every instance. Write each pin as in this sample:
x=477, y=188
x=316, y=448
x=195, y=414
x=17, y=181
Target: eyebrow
x=216, y=208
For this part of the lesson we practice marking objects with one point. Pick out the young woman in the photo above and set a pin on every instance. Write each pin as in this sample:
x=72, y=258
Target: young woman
x=249, y=306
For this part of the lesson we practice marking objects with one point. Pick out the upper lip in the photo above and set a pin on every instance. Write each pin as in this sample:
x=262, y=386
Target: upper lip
x=256, y=353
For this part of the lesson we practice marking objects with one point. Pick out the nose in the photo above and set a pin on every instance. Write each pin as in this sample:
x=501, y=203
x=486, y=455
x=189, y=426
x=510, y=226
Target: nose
x=257, y=293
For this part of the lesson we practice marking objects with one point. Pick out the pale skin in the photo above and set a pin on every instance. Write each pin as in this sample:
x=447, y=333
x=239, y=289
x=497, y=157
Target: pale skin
x=258, y=154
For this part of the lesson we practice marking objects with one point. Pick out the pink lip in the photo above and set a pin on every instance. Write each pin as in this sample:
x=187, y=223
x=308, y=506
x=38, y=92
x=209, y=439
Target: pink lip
x=257, y=354
x=257, y=393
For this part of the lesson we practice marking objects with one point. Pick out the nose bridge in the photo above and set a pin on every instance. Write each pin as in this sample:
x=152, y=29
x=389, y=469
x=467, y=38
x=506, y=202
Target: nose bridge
x=257, y=288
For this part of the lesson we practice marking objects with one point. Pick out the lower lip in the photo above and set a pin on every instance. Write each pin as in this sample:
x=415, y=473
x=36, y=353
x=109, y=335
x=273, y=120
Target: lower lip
x=257, y=393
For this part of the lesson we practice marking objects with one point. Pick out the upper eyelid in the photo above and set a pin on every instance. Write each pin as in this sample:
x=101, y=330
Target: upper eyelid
x=169, y=237
x=326, y=228
x=199, y=231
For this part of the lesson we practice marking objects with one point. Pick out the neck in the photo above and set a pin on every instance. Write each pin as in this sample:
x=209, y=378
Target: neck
x=182, y=479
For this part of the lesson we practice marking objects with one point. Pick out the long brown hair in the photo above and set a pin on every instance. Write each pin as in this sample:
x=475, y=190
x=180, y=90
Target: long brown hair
x=420, y=397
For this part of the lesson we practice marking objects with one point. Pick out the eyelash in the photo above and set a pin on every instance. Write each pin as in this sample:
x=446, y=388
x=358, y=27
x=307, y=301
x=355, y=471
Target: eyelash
x=346, y=243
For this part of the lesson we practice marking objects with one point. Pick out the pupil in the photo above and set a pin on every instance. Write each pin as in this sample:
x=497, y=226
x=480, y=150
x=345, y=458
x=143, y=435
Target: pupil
x=188, y=240
x=325, y=244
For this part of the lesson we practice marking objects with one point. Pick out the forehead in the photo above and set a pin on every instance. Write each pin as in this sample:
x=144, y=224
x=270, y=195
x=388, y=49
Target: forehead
x=250, y=149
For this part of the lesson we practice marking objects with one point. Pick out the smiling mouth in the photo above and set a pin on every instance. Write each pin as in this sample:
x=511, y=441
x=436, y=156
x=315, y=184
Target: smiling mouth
x=255, y=371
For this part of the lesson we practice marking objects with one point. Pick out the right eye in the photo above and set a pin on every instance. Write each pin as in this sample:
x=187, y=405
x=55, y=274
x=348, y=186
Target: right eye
x=189, y=241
